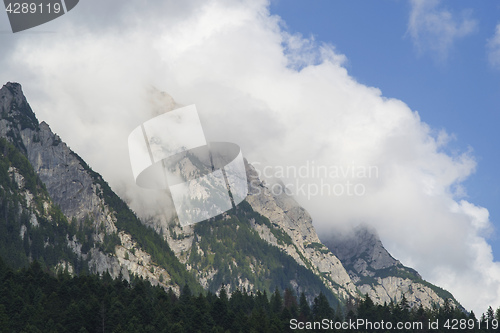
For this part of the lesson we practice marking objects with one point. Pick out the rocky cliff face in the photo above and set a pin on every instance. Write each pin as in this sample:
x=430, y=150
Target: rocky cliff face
x=286, y=215
x=66, y=180
x=361, y=252
x=76, y=189
x=376, y=273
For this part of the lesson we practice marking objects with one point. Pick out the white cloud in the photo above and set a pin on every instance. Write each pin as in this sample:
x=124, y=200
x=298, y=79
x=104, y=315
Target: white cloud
x=436, y=30
x=285, y=100
x=494, y=48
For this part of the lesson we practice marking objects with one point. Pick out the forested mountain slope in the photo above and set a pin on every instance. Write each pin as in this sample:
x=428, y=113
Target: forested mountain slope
x=53, y=199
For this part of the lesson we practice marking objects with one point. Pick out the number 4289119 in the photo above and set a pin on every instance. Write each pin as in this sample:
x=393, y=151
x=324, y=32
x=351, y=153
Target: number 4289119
x=32, y=8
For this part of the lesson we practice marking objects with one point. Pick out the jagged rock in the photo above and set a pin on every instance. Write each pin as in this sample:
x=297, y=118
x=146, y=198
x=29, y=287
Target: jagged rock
x=393, y=288
x=70, y=184
x=66, y=179
x=102, y=263
x=286, y=214
x=180, y=239
x=361, y=251
x=377, y=273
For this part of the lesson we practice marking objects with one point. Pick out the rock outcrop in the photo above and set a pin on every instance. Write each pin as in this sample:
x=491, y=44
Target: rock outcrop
x=378, y=274
x=72, y=185
x=285, y=214
x=361, y=252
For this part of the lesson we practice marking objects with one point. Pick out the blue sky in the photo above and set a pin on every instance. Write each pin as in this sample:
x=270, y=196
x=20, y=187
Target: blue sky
x=458, y=91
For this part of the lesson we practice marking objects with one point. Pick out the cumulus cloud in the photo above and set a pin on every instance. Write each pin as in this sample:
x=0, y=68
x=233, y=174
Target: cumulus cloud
x=494, y=48
x=436, y=30
x=287, y=101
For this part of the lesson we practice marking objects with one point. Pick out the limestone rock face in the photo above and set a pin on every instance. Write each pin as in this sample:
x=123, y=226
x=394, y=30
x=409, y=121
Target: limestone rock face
x=65, y=177
x=285, y=214
x=64, y=174
x=393, y=288
x=70, y=184
x=361, y=252
x=377, y=273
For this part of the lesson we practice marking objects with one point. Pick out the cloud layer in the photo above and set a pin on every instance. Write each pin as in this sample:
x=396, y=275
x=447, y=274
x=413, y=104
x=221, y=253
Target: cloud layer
x=436, y=30
x=287, y=101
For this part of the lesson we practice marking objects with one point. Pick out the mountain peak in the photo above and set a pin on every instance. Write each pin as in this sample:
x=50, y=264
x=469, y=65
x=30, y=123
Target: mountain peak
x=362, y=249
x=14, y=87
x=15, y=108
x=16, y=92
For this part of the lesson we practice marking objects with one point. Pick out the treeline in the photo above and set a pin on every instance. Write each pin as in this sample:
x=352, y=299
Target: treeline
x=32, y=300
x=400, y=317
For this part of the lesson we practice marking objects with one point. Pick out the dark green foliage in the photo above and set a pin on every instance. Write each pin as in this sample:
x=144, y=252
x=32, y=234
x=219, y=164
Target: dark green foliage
x=26, y=234
x=321, y=308
x=10, y=156
x=447, y=317
x=110, y=242
x=32, y=300
x=305, y=313
x=318, y=247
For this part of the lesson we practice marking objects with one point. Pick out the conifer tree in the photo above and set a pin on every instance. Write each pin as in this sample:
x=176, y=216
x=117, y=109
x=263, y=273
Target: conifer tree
x=305, y=310
x=321, y=308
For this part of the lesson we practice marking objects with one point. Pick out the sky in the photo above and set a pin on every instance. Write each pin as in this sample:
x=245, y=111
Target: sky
x=451, y=78
x=377, y=112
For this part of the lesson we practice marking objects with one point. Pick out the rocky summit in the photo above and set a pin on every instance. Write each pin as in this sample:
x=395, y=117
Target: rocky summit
x=376, y=273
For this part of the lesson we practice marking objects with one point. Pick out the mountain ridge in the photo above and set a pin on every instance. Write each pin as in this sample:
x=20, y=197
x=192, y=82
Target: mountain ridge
x=88, y=202
x=378, y=274
x=108, y=237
